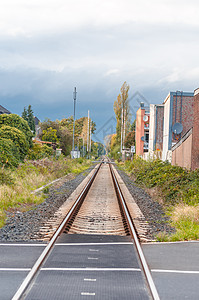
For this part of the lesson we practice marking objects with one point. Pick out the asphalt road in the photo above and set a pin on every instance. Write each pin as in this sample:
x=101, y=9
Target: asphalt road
x=174, y=268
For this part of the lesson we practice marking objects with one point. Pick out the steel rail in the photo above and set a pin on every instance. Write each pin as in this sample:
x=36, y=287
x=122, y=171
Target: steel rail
x=46, y=251
x=144, y=264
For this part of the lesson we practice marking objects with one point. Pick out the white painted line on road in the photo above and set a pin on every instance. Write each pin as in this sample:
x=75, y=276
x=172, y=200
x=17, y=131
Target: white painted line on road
x=90, y=279
x=163, y=243
x=96, y=258
x=24, y=245
x=15, y=269
x=174, y=271
x=89, y=244
x=93, y=250
x=92, y=269
x=87, y=294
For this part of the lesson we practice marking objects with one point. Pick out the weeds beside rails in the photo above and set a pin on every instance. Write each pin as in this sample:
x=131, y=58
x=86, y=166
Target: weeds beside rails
x=177, y=190
x=17, y=184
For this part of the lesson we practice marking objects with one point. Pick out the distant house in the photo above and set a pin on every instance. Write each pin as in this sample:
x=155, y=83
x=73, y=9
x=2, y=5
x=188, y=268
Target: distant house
x=142, y=129
x=37, y=128
x=156, y=127
x=4, y=110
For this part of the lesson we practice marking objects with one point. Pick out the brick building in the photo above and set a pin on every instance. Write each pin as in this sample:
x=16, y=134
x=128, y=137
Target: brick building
x=156, y=130
x=178, y=108
x=142, y=130
x=185, y=152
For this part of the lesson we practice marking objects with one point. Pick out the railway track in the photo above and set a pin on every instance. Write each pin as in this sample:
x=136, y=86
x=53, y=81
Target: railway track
x=99, y=210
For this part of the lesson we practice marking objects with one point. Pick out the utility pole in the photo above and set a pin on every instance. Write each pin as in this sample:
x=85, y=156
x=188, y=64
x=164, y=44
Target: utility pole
x=88, y=134
x=124, y=135
x=74, y=97
x=121, y=146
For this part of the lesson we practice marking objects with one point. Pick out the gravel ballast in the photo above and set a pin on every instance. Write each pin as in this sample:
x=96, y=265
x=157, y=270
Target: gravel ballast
x=152, y=210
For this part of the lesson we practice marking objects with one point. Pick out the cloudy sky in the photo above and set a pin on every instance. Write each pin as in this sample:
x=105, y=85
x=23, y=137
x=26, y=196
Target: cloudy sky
x=47, y=47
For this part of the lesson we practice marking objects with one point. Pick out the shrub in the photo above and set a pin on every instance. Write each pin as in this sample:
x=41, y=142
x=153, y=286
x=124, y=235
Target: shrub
x=39, y=151
x=16, y=121
x=50, y=135
x=17, y=137
x=175, y=183
x=9, y=154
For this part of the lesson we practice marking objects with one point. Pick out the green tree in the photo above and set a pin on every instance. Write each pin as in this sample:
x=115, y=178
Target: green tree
x=130, y=139
x=122, y=113
x=31, y=120
x=65, y=141
x=16, y=121
x=80, y=125
x=9, y=154
x=50, y=135
x=25, y=114
x=17, y=137
x=133, y=125
x=63, y=134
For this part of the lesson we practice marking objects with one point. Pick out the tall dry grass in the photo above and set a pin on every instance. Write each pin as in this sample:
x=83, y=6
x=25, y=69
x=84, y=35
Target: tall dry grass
x=16, y=185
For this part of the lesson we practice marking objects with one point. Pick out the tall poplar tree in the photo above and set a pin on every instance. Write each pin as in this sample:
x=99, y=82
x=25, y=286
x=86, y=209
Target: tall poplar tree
x=122, y=113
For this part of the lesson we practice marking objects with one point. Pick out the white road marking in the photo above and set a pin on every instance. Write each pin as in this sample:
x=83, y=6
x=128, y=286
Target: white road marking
x=177, y=242
x=99, y=269
x=89, y=279
x=89, y=244
x=92, y=269
x=96, y=258
x=87, y=294
x=93, y=250
x=16, y=269
x=174, y=271
x=24, y=245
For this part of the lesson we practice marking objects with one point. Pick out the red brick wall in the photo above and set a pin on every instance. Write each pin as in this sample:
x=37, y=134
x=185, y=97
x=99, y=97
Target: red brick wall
x=195, y=149
x=187, y=113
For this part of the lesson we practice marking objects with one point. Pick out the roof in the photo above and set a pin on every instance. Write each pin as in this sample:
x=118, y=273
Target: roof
x=36, y=120
x=4, y=110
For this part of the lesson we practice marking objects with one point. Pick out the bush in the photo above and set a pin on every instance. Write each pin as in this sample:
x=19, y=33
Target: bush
x=175, y=183
x=9, y=154
x=50, y=135
x=39, y=151
x=16, y=121
x=17, y=137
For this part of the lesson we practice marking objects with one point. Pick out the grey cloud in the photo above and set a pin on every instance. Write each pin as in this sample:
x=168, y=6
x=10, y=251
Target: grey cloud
x=43, y=70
